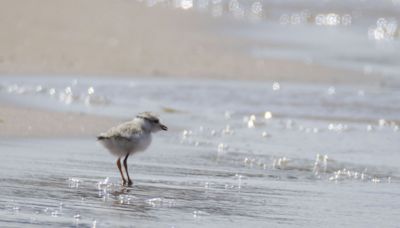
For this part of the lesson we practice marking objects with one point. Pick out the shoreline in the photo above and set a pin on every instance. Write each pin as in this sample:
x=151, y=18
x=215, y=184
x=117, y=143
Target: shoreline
x=305, y=75
x=18, y=120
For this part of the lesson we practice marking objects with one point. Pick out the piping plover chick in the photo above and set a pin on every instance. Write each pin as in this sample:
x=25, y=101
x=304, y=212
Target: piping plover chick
x=129, y=138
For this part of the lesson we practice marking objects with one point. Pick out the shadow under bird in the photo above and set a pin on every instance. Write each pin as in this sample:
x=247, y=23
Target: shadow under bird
x=129, y=138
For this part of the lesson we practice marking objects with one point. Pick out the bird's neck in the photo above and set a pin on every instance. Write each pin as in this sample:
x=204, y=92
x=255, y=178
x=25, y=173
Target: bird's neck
x=146, y=127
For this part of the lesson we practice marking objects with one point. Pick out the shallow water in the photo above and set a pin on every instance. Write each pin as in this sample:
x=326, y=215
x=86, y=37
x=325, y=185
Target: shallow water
x=177, y=186
x=238, y=153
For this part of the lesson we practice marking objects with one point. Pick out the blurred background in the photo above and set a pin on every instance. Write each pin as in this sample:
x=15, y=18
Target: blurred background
x=252, y=39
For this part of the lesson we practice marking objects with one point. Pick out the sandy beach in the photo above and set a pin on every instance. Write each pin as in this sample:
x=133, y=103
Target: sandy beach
x=126, y=38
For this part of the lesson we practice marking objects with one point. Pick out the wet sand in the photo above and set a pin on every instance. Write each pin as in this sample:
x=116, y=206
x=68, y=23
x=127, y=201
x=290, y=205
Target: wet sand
x=30, y=122
x=230, y=165
x=67, y=186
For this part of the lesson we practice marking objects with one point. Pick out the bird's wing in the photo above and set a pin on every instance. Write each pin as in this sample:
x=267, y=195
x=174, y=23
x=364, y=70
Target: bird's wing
x=128, y=131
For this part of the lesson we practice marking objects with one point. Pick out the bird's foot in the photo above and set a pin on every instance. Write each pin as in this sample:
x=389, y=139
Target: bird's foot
x=127, y=183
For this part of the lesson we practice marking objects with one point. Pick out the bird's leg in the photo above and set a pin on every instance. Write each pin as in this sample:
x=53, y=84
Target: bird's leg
x=126, y=170
x=120, y=171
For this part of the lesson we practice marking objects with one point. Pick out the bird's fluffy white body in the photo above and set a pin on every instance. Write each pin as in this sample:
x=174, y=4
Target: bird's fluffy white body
x=122, y=147
x=127, y=138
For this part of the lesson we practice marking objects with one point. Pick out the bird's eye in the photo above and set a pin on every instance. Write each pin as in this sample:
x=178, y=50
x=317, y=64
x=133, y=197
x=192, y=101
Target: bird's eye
x=156, y=121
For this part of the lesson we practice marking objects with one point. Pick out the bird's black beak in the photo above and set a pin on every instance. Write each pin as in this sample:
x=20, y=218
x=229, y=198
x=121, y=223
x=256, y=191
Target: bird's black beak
x=163, y=127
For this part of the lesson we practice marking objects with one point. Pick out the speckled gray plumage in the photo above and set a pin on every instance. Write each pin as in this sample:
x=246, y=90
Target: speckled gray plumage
x=125, y=130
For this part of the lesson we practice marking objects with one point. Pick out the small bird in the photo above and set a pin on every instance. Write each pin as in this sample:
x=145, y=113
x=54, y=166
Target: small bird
x=131, y=137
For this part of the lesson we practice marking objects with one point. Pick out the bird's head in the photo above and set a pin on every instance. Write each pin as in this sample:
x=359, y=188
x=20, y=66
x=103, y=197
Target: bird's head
x=151, y=121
